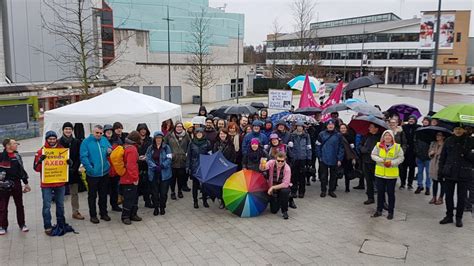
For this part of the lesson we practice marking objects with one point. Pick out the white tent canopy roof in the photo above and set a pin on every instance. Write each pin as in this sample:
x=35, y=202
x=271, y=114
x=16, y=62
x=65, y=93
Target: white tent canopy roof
x=128, y=107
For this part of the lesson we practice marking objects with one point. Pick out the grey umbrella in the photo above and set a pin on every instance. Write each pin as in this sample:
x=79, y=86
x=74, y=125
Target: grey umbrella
x=308, y=110
x=365, y=109
x=335, y=108
x=240, y=110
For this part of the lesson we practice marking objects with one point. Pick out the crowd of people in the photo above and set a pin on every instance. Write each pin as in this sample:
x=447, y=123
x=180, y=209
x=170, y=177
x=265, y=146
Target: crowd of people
x=121, y=167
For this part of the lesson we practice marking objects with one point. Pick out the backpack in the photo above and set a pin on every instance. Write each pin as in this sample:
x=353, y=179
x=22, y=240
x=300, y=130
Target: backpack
x=116, y=159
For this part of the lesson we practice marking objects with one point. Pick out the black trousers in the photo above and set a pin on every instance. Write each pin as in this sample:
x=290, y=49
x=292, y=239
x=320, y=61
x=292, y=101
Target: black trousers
x=470, y=195
x=298, y=176
x=196, y=188
x=98, y=186
x=385, y=186
x=439, y=184
x=159, y=193
x=279, y=200
x=405, y=169
x=114, y=190
x=130, y=201
x=369, y=173
x=450, y=186
x=327, y=171
x=144, y=186
x=348, y=168
x=180, y=178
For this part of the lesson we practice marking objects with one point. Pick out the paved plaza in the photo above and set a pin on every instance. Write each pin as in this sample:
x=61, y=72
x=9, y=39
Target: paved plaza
x=320, y=231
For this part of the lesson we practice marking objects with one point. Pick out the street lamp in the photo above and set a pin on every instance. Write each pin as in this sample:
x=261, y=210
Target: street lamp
x=238, y=59
x=435, y=59
x=169, y=53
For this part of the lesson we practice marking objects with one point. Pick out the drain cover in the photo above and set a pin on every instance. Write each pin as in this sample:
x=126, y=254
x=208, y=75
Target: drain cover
x=384, y=249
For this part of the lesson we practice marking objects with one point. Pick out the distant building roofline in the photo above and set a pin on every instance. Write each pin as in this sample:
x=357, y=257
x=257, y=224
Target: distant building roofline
x=391, y=16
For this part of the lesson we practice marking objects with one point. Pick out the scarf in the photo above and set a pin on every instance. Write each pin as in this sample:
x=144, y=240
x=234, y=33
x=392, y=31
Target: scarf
x=66, y=141
x=236, y=141
x=279, y=179
x=181, y=135
x=199, y=142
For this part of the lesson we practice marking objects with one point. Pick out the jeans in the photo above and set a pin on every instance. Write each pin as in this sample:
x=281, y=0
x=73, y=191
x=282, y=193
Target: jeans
x=130, y=201
x=74, y=191
x=114, y=190
x=327, y=171
x=385, y=185
x=159, y=193
x=17, y=195
x=48, y=194
x=450, y=186
x=279, y=200
x=179, y=177
x=423, y=166
x=404, y=167
x=435, y=188
x=369, y=173
x=298, y=176
x=97, y=185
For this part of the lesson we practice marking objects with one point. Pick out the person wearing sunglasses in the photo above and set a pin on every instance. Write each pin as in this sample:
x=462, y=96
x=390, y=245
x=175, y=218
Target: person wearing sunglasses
x=93, y=154
x=279, y=178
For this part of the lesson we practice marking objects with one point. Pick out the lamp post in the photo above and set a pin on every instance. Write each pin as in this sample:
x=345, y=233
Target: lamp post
x=169, y=52
x=238, y=59
x=435, y=59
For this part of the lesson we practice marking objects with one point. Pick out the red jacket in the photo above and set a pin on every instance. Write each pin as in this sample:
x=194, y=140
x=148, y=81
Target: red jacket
x=38, y=166
x=130, y=158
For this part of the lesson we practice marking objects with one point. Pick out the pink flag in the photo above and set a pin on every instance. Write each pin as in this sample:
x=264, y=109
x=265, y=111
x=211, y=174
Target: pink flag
x=307, y=97
x=334, y=98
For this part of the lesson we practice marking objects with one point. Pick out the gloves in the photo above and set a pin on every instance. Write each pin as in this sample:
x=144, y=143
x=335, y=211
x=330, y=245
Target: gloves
x=352, y=145
x=69, y=162
x=290, y=144
x=265, y=147
x=387, y=163
x=42, y=158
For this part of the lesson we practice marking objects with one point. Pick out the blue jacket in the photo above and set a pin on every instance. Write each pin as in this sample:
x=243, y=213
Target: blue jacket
x=301, y=149
x=165, y=162
x=93, y=155
x=248, y=138
x=330, y=147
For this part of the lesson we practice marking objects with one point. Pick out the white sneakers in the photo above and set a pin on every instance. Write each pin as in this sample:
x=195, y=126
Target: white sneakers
x=24, y=229
x=2, y=231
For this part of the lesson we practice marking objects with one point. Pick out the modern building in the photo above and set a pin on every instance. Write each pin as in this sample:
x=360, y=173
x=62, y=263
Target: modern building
x=381, y=44
x=141, y=41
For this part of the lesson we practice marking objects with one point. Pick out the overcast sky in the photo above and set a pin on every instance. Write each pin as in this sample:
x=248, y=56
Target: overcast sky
x=259, y=14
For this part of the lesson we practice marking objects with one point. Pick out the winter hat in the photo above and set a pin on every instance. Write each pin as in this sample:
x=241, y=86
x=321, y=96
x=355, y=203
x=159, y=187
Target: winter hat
x=158, y=134
x=257, y=123
x=108, y=127
x=330, y=121
x=412, y=116
x=134, y=136
x=274, y=136
x=178, y=123
x=389, y=132
x=117, y=125
x=187, y=125
x=50, y=134
x=68, y=124
x=254, y=141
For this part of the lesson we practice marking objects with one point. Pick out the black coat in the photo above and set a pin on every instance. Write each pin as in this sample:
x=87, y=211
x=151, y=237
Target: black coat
x=367, y=145
x=74, y=146
x=410, y=157
x=13, y=167
x=457, y=159
x=227, y=148
x=195, y=149
x=251, y=160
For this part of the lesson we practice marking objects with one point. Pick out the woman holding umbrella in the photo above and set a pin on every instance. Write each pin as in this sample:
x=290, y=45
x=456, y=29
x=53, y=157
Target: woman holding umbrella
x=387, y=154
x=435, y=152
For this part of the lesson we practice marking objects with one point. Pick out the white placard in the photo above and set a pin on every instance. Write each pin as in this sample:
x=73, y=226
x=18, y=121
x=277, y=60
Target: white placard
x=280, y=99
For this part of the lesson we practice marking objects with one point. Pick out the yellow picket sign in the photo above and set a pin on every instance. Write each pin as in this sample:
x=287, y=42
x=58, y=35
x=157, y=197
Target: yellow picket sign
x=55, y=168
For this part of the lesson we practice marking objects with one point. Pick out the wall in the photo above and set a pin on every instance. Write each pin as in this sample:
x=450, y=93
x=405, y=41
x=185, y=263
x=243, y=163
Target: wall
x=20, y=131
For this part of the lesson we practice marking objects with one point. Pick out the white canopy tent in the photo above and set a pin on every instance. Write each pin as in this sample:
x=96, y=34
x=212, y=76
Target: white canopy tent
x=128, y=107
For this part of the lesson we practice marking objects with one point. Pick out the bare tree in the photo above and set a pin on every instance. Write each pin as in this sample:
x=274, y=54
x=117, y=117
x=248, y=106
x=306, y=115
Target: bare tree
x=276, y=31
x=200, y=57
x=79, y=52
x=303, y=14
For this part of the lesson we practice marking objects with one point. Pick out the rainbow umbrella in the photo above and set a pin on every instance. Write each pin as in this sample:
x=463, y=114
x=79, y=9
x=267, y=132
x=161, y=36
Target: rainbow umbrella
x=245, y=193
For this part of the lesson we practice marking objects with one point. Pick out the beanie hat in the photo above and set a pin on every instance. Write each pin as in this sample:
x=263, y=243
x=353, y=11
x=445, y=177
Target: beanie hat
x=187, y=125
x=330, y=121
x=67, y=124
x=412, y=116
x=158, y=134
x=134, y=136
x=50, y=134
x=117, y=125
x=257, y=123
x=254, y=141
x=274, y=136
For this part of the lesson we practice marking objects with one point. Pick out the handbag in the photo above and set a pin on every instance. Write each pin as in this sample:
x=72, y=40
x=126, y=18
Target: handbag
x=339, y=172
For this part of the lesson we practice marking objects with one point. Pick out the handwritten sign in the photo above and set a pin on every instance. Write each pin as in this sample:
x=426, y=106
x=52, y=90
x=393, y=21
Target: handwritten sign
x=55, y=168
x=280, y=99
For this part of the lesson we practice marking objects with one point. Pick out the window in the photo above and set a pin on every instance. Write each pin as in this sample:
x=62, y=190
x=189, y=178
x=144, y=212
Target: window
x=107, y=50
x=107, y=34
x=240, y=88
x=107, y=18
x=458, y=37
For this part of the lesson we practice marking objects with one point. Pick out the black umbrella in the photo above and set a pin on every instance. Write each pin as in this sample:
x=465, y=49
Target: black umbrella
x=365, y=109
x=258, y=105
x=428, y=133
x=240, y=110
x=335, y=108
x=361, y=124
x=219, y=112
x=308, y=110
x=362, y=82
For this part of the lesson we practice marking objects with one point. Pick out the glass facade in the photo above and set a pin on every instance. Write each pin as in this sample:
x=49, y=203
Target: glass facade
x=379, y=54
x=353, y=21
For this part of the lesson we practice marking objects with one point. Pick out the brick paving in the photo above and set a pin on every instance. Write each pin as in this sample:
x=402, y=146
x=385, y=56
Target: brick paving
x=320, y=231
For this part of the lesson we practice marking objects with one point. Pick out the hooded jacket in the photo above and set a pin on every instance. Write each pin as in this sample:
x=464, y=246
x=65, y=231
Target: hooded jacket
x=178, y=148
x=283, y=135
x=265, y=131
x=300, y=148
x=130, y=158
x=457, y=159
x=93, y=155
x=143, y=147
x=38, y=165
x=396, y=158
x=195, y=148
x=202, y=108
x=164, y=163
x=263, y=140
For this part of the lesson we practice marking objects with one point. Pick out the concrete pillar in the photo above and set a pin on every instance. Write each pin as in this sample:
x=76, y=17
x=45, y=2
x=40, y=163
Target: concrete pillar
x=386, y=75
x=417, y=76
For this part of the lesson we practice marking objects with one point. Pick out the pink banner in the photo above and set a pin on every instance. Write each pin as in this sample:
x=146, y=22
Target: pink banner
x=307, y=97
x=334, y=98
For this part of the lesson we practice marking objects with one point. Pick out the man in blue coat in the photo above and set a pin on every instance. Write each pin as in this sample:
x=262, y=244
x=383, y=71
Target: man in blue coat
x=330, y=151
x=94, y=152
x=255, y=134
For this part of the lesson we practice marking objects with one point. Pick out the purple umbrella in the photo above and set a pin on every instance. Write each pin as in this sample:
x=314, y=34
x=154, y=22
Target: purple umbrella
x=404, y=111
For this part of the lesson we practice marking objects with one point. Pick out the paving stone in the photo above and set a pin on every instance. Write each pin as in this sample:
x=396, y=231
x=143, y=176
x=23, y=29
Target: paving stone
x=384, y=249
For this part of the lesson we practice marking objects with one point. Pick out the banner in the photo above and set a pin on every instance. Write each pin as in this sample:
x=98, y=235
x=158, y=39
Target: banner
x=334, y=98
x=446, y=31
x=55, y=168
x=280, y=99
x=307, y=97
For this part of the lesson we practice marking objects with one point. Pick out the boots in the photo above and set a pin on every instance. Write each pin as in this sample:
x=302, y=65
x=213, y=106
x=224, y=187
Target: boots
x=126, y=216
x=433, y=200
x=134, y=217
x=156, y=212
x=204, y=203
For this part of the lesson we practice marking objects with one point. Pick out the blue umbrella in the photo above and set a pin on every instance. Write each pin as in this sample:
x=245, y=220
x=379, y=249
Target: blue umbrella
x=354, y=100
x=297, y=83
x=213, y=171
x=278, y=116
